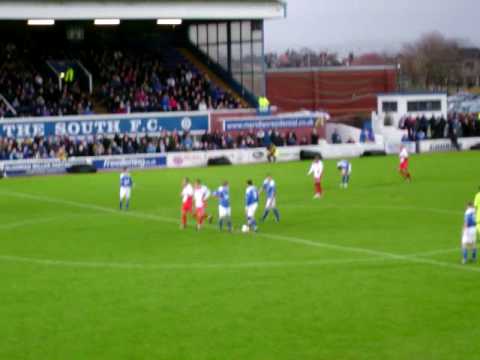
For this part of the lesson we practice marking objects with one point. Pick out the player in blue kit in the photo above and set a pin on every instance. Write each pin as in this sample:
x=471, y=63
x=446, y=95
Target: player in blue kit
x=469, y=236
x=251, y=205
x=345, y=168
x=270, y=190
x=224, y=209
x=126, y=184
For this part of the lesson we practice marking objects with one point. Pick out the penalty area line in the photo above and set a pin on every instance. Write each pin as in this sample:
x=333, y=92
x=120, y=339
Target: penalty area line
x=383, y=254
x=295, y=240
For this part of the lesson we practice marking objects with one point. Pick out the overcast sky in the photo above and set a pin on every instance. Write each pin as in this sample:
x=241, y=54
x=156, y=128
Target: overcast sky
x=371, y=25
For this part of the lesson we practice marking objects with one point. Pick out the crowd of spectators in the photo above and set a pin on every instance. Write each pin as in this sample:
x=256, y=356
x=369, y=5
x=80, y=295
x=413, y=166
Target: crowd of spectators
x=65, y=147
x=454, y=126
x=251, y=139
x=125, y=81
x=133, y=82
x=30, y=92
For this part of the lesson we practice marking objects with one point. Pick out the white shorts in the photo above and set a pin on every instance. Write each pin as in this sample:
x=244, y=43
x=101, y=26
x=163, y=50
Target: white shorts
x=251, y=210
x=224, y=211
x=469, y=236
x=125, y=193
x=271, y=203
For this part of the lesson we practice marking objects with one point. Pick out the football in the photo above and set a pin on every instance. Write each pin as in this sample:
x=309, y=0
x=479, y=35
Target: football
x=245, y=228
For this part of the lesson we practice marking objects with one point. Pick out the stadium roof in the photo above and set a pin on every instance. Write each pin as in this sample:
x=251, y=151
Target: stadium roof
x=142, y=9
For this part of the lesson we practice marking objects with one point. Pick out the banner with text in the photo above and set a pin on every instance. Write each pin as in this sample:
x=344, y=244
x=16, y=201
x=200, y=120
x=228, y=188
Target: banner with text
x=130, y=162
x=105, y=125
x=271, y=122
x=101, y=163
x=446, y=145
x=38, y=167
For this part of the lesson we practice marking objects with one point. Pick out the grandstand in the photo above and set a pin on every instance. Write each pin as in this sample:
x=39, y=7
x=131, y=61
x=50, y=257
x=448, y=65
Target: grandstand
x=147, y=56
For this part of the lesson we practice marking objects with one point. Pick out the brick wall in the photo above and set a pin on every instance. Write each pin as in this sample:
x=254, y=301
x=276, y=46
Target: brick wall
x=339, y=91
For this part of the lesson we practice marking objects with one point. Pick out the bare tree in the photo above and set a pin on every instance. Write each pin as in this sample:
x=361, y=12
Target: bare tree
x=305, y=57
x=432, y=62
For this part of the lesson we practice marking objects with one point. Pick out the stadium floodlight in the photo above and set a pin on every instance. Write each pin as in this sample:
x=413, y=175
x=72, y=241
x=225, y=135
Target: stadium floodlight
x=107, y=21
x=169, y=21
x=41, y=22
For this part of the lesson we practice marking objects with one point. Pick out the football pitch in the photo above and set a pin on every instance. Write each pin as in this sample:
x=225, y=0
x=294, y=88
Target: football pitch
x=371, y=272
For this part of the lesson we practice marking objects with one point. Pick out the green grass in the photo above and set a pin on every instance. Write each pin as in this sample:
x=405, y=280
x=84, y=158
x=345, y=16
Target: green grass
x=336, y=279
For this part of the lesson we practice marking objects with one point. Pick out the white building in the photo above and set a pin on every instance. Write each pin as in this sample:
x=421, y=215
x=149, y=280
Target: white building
x=394, y=106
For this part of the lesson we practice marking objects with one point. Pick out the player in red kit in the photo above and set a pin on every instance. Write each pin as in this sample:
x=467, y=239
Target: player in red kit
x=187, y=201
x=200, y=196
x=317, y=171
x=403, y=169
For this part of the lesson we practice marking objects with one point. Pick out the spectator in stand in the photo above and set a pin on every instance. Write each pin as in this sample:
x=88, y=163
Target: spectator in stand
x=420, y=135
x=202, y=105
x=363, y=136
x=267, y=138
x=422, y=125
x=477, y=125
x=370, y=135
x=277, y=139
x=291, y=139
x=453, y=130
x=410, y=124
x=314, y=137
x=336, y=139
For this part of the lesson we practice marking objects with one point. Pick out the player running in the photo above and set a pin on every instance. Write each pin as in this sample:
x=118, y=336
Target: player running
x=317, y=171
x=270, y=190
x=187, y=201
x=403, y=169
x=345, y=168
x=251, y=205
x=224, y=209
x=126, y=184
x=469, y=236
x=200, y=196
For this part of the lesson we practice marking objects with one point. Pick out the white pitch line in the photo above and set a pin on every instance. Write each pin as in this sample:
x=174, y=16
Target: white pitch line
x=382, y=254
x=35, y=221
x=13, y=225
x=193, y=266
x=296, y=240
x=435, y=252
x=89, y=206
x=375, y=207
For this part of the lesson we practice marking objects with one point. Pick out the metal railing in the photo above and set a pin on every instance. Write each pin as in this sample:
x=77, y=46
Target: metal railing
x=8, y=105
